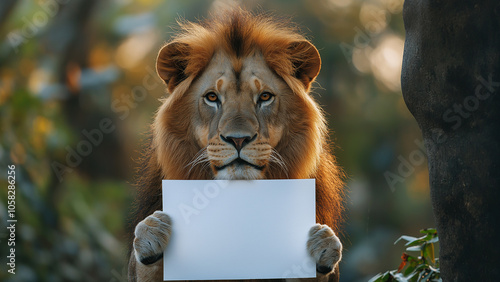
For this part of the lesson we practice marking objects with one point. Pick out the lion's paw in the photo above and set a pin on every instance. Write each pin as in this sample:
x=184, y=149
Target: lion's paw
x=325, y=247
x=151, y=237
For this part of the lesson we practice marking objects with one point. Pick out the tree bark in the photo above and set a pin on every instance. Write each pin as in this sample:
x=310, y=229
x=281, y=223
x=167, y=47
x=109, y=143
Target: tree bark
x=451, y=84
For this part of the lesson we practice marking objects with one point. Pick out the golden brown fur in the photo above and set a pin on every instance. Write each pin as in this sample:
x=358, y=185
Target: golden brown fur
x=304, y=143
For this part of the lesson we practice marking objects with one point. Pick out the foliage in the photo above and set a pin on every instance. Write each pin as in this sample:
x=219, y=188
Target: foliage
x=424, y=267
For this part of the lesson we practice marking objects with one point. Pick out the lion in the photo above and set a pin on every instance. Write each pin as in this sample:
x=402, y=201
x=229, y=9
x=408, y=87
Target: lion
x=238, y=107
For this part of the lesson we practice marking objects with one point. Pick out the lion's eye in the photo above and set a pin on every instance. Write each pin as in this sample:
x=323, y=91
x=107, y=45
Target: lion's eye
x=266, y=96
x=212, y=97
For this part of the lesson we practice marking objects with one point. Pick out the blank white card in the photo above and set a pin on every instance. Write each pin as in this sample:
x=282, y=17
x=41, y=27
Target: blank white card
x=239, y=229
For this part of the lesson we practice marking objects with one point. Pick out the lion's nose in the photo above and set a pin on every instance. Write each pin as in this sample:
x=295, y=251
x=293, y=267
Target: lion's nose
x=238, y=142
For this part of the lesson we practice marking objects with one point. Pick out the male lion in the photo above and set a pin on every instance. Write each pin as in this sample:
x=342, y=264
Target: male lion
x=239, y=108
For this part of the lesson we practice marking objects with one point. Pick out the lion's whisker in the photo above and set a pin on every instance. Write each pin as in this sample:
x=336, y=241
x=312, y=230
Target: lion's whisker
x=200, y=158
x=278, y=159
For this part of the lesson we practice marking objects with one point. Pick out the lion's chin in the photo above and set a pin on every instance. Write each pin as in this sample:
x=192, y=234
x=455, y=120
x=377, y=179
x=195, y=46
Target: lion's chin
x=236, y=172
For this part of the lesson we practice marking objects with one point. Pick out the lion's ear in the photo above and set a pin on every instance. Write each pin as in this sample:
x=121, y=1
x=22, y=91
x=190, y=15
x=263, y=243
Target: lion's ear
x=171, y=64
x=306, y=62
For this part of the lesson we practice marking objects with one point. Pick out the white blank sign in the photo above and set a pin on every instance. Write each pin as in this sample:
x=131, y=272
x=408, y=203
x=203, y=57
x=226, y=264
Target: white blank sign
x=239, y=229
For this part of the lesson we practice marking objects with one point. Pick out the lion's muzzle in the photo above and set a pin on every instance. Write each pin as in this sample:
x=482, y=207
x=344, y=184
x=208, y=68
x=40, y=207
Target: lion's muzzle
x=237, y=155
x=238, y=142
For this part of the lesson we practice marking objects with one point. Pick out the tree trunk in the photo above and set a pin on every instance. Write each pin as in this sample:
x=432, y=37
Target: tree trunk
x=451, y=84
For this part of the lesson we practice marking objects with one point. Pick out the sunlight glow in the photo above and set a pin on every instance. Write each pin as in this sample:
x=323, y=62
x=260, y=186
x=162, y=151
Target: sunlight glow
x=341, y=3
x=386, y=61
x=135, y=48
x=373, y=17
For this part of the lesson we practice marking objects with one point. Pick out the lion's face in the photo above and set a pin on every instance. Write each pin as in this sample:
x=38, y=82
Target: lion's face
x=237, y=117
x=239, y=104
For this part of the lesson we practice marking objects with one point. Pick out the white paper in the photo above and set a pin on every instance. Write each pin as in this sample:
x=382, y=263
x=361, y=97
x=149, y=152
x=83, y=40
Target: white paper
x=239, y=229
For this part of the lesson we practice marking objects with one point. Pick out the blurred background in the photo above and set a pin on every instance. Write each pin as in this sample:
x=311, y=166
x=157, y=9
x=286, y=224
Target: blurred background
x=78, y=90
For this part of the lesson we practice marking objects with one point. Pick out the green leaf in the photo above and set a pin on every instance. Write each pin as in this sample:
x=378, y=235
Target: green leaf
x=378, y=278
x=409, y=269
x=420, y=267
x=399, y=277
x=428, y=253
x=412, y=259
x=407, y=238
x=436, y=270
x=414, y=248
x=433, y=240
x=429, y=231
x=415, y=243
x=387, y=276
x=412, y=277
